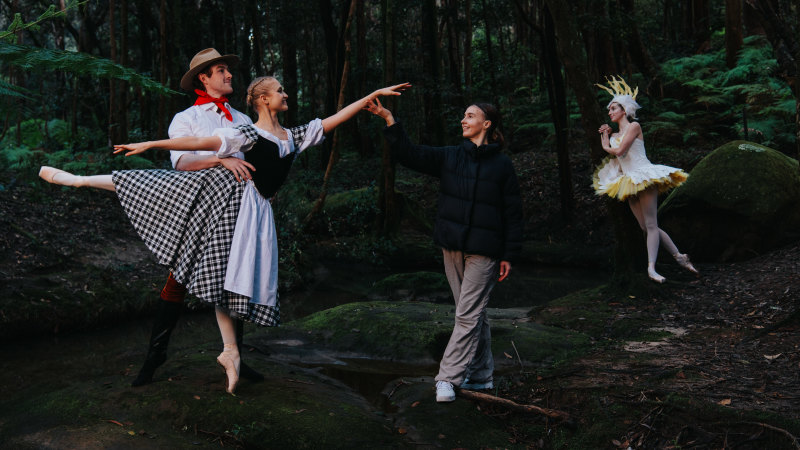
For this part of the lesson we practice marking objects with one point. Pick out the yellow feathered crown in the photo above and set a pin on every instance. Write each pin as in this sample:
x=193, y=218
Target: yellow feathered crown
x=622, y=94
x=618, y=87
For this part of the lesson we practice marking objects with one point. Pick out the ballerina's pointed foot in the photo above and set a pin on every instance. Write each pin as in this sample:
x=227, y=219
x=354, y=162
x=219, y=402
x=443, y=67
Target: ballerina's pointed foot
x=48, y=174
x=651, y=272
x=229, y=360
x=58, y=176
x=683, y=261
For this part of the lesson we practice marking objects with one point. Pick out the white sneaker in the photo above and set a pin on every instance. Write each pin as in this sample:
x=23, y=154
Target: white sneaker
x=467, y=384
x=445, y=392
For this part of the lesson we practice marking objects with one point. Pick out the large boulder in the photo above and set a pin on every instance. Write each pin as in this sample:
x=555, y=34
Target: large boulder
x=741, y=200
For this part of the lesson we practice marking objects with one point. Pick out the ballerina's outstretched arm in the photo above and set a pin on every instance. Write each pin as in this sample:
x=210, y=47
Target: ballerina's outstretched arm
x=352, y=109
x=240, y=168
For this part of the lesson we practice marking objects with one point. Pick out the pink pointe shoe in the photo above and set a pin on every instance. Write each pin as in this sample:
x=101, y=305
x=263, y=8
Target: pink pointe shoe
x=683, y=261
x=229, y=360
x=49, y=174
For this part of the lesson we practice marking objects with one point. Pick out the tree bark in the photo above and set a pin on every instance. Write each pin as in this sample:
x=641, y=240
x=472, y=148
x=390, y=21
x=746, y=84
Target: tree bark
x=334, y=156
x=387, y=199
x=636, y=48
x=558, y=107
x=113, y=117
x=432, y=97
x=288, y=45
x=162, y=60
x=733, y=31
x=468, y=51
x=453, y=54
x=570, y=47
x=362, y=142
x=489, y=55
x=123, y=60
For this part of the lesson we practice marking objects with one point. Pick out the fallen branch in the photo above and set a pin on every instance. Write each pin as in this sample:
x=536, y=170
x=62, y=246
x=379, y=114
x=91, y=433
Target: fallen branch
x=514, y=406
x=774, y=428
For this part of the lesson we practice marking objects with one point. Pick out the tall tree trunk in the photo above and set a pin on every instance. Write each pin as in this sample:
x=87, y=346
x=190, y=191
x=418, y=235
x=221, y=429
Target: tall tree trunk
x=698, y=24
x=468, y=50
x=639, y=54
x=113, y=116
x=558, y=107
x=259, y=54
x=453, y=55
x=162, y=61
x=362, y=141
x=603, y=57
x=288, y=45
x=733, y=31
x=629, y=252
x=334, y=156
x=334, y=67
x=489, y=55
x=123, y=60
x=432, y=97
x=387, y=199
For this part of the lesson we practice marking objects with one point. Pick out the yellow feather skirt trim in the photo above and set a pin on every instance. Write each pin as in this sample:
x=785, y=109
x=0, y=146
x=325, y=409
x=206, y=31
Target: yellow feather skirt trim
x=623, y=187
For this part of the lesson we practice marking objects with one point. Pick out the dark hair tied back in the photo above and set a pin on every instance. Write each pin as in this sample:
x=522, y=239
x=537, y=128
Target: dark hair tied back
x=491, y=114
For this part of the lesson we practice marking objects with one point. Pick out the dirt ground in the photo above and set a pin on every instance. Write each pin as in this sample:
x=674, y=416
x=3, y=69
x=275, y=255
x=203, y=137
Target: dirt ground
x=726, y=375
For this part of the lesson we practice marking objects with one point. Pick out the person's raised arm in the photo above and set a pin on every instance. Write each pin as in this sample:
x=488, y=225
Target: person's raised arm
x=212, y=143
x=375, y=107
x=352, y=109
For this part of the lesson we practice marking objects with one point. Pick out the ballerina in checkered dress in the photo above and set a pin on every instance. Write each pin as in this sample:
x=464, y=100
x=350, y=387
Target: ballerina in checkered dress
x=217, y=235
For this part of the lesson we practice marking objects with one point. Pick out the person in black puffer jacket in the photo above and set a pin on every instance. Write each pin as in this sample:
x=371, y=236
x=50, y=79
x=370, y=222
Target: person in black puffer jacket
x=479, y=227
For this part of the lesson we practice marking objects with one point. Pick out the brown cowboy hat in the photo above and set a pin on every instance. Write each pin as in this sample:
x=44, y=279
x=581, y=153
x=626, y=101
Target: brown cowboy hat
x=201, y=61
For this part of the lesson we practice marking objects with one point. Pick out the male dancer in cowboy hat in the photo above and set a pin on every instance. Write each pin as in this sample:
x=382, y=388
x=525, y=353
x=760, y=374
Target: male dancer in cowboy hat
x=210, y=78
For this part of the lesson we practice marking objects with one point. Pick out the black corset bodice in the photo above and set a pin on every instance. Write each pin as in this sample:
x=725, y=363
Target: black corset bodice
x=271, y=170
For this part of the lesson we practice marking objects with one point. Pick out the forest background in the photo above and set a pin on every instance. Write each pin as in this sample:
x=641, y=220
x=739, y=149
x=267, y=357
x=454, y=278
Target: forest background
x=77, y=76
x=707, y=71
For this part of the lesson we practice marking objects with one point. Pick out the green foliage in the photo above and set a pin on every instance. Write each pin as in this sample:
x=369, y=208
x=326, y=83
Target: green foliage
x=712, y=97
x=18, y=24
x=41, y=59
x=51, y=143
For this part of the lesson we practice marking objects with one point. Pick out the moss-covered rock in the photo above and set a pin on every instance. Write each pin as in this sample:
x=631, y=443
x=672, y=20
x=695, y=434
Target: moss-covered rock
x=741, y=200
x=417, y=333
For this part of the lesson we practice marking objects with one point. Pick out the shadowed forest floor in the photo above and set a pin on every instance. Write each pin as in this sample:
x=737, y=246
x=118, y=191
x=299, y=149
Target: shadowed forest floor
x=706, y=362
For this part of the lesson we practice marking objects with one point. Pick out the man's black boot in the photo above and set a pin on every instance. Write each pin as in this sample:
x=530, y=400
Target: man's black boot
x=166, y=318
x=245, y=371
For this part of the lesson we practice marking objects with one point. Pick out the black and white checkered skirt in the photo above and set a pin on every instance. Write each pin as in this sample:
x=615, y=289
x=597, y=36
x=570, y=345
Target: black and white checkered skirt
x=187, y=219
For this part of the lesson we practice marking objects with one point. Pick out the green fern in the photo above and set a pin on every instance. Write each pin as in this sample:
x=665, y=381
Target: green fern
x=18, y=24
x=41, y=59
x=9, y=90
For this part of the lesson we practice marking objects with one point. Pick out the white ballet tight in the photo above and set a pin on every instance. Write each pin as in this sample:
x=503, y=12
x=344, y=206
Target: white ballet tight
x=645, y=209
x=57, y=176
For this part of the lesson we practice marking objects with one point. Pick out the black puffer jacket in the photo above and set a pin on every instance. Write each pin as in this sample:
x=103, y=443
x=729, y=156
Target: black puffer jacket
x=480, y=208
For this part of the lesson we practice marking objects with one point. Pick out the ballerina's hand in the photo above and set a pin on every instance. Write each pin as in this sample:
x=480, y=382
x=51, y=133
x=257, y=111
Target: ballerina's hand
x=604, y=129
x=132, y=149
x=393, y=90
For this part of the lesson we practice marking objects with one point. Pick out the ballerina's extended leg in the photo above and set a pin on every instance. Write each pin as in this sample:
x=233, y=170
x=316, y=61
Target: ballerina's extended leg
x=58, y=176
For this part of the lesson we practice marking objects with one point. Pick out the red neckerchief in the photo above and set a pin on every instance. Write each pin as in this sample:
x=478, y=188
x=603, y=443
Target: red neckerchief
x=203, y=98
